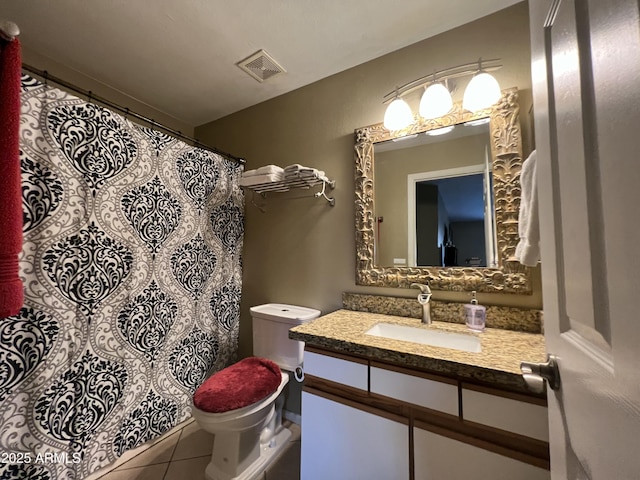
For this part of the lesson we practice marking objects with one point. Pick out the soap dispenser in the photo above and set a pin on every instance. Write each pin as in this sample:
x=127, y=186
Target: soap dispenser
x=475, y=315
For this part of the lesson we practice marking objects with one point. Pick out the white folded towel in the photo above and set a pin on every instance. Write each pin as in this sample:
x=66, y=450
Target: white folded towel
x=258, y=179
x=310, y=173
x=299, y=172
x=311, y=176
x=266, y=170
x=269, y=169
x=293, y=168
x=528, y=248
x=292, y=171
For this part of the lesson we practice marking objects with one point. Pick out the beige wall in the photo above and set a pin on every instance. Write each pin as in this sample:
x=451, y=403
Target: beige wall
x=301, y=250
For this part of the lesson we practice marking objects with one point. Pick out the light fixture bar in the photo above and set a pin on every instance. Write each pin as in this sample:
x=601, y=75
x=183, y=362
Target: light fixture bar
x=453, y=72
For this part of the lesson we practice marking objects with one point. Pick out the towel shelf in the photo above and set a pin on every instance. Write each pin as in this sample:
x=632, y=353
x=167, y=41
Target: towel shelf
x=297, y=183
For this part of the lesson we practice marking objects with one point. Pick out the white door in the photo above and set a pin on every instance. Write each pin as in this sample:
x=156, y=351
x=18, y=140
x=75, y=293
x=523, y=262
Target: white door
x=586, y=86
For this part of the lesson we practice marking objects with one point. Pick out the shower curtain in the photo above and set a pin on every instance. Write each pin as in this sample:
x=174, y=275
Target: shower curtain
x=132, y=272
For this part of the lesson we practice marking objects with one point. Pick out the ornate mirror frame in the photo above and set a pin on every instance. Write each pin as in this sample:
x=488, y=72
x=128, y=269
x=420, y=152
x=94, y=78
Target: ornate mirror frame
x=506, y=151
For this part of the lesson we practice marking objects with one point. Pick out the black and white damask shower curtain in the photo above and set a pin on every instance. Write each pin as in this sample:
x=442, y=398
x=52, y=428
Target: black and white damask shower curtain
x=132, y=273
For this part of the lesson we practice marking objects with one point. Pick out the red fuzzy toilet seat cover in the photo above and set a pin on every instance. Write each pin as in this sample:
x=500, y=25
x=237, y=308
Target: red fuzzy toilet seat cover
x=241, y=384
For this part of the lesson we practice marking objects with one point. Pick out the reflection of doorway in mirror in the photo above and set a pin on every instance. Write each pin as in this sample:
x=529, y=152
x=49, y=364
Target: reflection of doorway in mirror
x=447, y=214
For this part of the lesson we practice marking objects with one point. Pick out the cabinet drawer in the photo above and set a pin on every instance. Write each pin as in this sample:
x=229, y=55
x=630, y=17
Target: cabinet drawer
x=337, y=370
x=507, y=414
x=439, y=457
x=424, y=392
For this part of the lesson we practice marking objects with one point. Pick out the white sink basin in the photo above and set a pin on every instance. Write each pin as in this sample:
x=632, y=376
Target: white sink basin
x=435, y=338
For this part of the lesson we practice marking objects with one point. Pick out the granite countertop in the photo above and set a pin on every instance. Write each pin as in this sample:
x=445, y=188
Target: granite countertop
x=497, y=364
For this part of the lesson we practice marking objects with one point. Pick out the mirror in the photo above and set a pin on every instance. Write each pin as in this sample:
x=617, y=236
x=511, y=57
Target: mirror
x=496, y=160
x=439, y=188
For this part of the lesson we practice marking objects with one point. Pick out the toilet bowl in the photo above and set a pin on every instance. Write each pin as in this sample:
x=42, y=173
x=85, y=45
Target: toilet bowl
x=242, y=404
x=246, y=438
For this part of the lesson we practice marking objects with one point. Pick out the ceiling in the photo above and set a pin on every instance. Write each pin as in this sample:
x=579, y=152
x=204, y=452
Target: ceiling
x=180, y=57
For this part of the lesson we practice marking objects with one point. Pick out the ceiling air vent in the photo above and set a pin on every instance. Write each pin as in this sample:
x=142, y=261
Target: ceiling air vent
x=261, y=66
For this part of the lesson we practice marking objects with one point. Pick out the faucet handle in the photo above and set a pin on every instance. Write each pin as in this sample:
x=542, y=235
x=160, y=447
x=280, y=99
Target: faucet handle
x=423, y=288
x=425, y=293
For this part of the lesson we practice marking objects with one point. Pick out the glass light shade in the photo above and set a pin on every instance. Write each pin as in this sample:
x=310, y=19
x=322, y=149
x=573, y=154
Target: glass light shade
x=482, y=92
x=435, y=102
x=440, y=131
x=475, y=123
x=398, y=115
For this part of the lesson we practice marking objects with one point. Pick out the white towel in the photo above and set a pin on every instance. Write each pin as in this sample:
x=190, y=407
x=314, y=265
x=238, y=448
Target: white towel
x=292, y=171
x=269, y=169
x=310, y=173
x=311, y=178
x=300, y=171
x=266, y=170
x=258, y=179
x=528, y=248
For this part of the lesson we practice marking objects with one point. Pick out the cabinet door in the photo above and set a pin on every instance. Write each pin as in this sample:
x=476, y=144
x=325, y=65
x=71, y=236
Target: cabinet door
x=437, y=395
x=508, y=414
x=346, y=443
x=348, y=372
x=442, y=458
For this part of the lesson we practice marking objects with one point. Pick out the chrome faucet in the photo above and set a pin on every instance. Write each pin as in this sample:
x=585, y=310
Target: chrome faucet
x=423, y=298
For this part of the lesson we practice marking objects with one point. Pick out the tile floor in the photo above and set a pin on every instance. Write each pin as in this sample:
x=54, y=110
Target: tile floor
x=185, y=454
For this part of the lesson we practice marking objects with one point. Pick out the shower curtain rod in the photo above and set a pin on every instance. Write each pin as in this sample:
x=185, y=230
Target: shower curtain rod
x=127, y=113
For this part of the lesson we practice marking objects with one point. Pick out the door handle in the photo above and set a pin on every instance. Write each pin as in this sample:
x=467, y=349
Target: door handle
x=535, y=374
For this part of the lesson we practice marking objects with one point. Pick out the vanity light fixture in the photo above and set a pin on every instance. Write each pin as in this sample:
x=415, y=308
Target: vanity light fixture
x=475, y=123
x=440, y=131
x=481, y=92
x=406, y=137
x=398, y=115
x=436, y=101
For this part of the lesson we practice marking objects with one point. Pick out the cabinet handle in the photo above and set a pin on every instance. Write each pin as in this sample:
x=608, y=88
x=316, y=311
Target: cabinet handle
x=535, y=374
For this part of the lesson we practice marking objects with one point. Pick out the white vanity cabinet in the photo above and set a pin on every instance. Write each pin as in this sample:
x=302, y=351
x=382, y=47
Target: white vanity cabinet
x=338, y=439
x=337, y=369
x=512, y=413
x=366, y=419
x=440, y=457
x=344, y=442
x=427, y=391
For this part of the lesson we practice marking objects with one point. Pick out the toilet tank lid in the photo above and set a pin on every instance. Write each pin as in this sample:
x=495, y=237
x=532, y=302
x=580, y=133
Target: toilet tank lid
x=282, y=312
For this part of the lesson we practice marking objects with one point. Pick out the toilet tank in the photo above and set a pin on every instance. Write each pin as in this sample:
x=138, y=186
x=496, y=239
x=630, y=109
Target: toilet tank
x=271, y=324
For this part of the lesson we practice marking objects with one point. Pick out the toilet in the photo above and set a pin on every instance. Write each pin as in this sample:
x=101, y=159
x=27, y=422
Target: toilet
x=242, y=404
